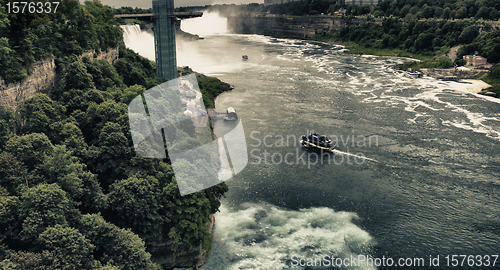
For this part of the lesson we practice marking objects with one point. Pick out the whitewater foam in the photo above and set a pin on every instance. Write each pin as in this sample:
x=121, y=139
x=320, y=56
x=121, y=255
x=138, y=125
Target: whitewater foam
x=264, y=236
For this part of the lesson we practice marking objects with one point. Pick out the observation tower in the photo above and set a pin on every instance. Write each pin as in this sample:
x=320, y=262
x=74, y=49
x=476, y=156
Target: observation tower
x=164, y=19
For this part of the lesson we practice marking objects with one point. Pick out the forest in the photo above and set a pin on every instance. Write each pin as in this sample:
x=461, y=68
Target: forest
x=73, y=193
x=410, y=9
x=425, y=37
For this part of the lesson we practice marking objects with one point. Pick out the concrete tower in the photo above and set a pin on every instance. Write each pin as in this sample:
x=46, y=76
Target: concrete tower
x=164, y=30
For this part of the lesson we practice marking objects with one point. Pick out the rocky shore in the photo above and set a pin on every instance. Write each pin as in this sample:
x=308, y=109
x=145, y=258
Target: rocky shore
x=466, y=79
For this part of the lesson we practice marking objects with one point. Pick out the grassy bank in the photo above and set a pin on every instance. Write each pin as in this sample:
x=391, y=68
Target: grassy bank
x=493, y=81
x=425, y=61
x=360, y=49
x=355, y=48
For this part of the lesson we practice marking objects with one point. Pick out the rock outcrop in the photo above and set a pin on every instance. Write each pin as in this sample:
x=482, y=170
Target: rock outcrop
x=42, y=78
x=182, y=257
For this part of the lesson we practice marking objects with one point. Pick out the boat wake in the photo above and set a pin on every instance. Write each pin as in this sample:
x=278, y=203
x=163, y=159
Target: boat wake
x=338, y=152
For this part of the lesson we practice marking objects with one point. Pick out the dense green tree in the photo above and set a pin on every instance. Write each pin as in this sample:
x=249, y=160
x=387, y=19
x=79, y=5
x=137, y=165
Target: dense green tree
x=438, y=12
x=495, y=72
x=447, y=13
x=189, y=215
x=4, y=22
x=135, y=203
x=39, y=113
x=404, y=11
x=74, y=178
x=111, y=154
x=414, y=10
x=135, y=69
x=68, y=148
x=22, y=260
x=107, y=34
x=71, y=249
x=71, y=30
x=460, y=14
x=494, y=14
x=424, y=41
x=114, y=245
x=13, y=174
x=4, y=133
x=69, y=134
x=427, y=11
x=42, y=206
x=30, y=149
x=210, y=87
x=77, y=77
x=426, y=37
x=9, y=67
x=132, y=92
x=108, y=77
x=214, y=194
x=98, y=115
x=468, y=35
x=445, y=62
x=482, y=13
x=9, y=216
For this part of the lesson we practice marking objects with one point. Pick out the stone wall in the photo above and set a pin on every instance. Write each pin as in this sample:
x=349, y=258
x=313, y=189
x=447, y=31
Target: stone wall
x=111, y=55
x=42, y=78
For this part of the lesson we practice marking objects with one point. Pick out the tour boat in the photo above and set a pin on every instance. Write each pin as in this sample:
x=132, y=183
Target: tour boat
x=317, y=141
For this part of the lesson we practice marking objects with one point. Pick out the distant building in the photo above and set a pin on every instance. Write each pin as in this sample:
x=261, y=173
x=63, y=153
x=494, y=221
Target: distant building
x=475, y=60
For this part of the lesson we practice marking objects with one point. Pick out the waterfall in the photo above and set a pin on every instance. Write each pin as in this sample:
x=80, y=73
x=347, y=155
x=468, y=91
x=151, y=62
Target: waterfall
x=140, y=41
x=208, y=24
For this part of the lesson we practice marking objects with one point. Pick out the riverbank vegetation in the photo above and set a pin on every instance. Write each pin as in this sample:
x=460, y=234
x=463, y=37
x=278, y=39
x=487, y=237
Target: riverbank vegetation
x=73, y=193
x=406, y=9
x=73, y=29
x=493, y=78
x=427, y=40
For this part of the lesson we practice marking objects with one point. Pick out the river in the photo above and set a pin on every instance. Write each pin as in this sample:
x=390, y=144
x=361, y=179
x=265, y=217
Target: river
x=416, y=175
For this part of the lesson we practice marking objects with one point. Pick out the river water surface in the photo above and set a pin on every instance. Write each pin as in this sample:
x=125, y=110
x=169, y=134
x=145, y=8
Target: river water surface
x=416, y=175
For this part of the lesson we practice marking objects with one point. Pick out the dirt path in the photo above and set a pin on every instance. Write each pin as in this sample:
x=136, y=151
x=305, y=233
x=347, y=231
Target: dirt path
x=453, y=53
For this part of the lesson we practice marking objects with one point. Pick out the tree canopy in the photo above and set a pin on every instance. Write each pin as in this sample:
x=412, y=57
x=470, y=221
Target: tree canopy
x=73, y=194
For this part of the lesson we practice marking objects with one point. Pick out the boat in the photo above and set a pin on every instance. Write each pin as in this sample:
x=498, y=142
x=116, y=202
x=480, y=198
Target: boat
x=244, y=57
x=414, y=74
x=450, y=78
x=231, y=114
x=316, y=141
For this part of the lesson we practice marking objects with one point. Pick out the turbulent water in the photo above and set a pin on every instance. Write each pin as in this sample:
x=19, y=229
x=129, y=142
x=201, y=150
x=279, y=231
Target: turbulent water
x=416, y=175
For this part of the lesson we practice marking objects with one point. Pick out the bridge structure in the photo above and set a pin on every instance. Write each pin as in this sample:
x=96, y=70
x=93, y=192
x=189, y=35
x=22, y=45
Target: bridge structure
x=164, y=18
x=177, y=15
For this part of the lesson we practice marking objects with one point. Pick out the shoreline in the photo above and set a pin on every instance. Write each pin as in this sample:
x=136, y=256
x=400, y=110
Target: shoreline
x=466, y=85
x=472, y=85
